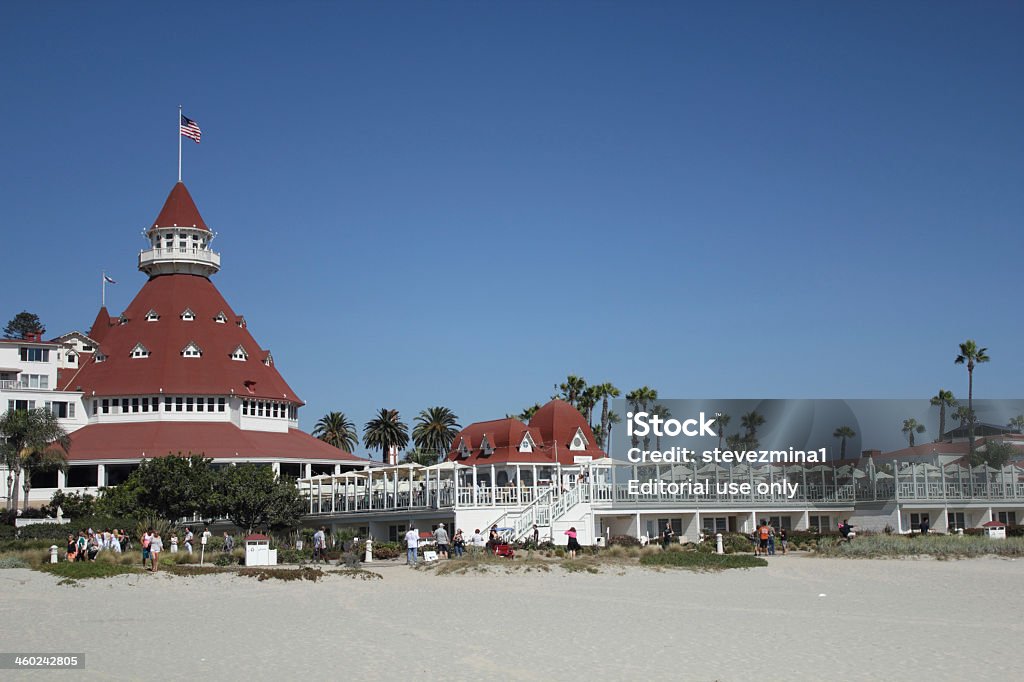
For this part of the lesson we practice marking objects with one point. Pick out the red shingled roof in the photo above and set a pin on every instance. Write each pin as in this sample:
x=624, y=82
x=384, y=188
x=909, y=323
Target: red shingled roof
x=179, y=210
x=217, y=440
x=215, y=373
x=552, y=428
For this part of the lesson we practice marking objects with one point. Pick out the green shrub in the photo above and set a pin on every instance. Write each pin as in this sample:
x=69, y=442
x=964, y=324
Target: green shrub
x=701, y=561
x=12, y=561
x=623, y=541
x=938, y=546
x=80, y=570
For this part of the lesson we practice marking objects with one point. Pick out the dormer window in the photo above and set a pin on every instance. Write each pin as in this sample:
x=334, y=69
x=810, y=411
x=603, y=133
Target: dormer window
x=188, y=315
x=152, y=316
x=221, y=318
x=527, y=444
x=463, y=449
x=240, y=355
x=140, y=351
x=192, y=351
x=122, y=320
x=269, y=360
x=579, y=441
x=100, y=357
x=485, y=447
x=240, y=322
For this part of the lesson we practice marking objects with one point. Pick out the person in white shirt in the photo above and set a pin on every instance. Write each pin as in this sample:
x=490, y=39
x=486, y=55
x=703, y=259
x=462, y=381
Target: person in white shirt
x=319, y=546
x=115, y=544
x=412, y=543
x=188, y=539
x=477, y=539
x=156, y=545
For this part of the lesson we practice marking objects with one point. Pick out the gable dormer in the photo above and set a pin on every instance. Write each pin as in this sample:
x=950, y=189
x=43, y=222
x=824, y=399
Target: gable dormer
x=527, y=444
x=240, y=354
x=100, y=357
x=188, y=315
x=269, y=360
x=220, y=318
x=140, y=351
x=122, y=319
x=579, y=441
x=486, y=449
x=152, y=316
x=192, y=350
x=463, y=449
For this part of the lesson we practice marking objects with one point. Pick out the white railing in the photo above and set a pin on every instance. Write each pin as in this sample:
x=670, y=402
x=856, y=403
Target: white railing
x=179, y=253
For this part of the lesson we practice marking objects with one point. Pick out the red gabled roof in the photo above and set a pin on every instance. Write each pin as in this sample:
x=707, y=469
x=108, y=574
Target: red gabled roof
x=216, y=440
x=215, y=373
x=552, y=429
x=993, y=524
x=558, y=422
x=179, y=210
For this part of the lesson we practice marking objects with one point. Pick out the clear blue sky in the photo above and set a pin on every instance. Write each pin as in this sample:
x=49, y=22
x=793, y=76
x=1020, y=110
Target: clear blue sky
x=460, y=203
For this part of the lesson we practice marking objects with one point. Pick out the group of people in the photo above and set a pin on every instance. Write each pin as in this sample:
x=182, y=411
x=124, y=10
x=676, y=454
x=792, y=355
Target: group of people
x=764, y=539
x=447, y=546
x=88, y=543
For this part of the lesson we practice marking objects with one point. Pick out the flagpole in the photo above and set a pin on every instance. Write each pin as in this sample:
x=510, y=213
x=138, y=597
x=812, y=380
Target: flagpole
x=179, y=143
x=103, y=288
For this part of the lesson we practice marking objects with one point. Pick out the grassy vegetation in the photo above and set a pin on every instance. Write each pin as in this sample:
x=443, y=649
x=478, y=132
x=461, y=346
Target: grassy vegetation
x=82, y=570
x=267, y=573
x=937, y=546
x=357, y=574
x=701, y=561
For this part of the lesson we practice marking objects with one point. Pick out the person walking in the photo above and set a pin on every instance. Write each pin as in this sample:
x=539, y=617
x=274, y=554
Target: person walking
x=72, y=548
x=458, y=543
x=441, y=538
x=771, y=540
x=146, y=541
x=574, y=544
x=320, y=545
x=783, y=540
x=229, y=543
x=762, y=536
x=666, y=535
x=188, y=539
x=536, y=536
x=83, y=545
x=412, y=543
x=477, y=541
x=156, y=545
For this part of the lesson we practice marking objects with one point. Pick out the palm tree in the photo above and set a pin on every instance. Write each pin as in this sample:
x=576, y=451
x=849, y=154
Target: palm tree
x=910, y=427
x=604, y=392
x=613, y=419
x=750, y=421
x=943, y=399
x=962, y=415
x=435, y=430
x=639, y=401
x=385, y=431
x=587, y=402
x=29, y=437
x=660, y=410
x=417, y=456
x=971, y=355
x=722, y=419
x=843, y=432
x=571, y=389
x=528, y=413
x=334, y=428
x=735, y=442
x=1017, y=423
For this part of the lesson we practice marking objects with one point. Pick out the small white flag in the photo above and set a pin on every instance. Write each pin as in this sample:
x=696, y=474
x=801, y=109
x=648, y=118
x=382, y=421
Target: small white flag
x=107, y=278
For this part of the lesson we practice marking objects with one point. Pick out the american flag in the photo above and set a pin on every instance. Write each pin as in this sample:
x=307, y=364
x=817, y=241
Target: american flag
x=190, y=128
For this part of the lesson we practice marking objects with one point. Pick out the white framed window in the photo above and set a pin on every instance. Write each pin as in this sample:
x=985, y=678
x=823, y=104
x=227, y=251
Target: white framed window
x=152, y=316
x=821, y=524
x=221, y=318
x=527, y=444
x=1007, y=517
x=100, y=357
x=140, y=351
x=188, y=315
x=34, y=354
x=122, y=320
x=579, y=441
x=917, y=519
x=192, y=350
x=714, y=524
x=240, y=354
x=486, y=449
x=781, y=522
x=955, y=520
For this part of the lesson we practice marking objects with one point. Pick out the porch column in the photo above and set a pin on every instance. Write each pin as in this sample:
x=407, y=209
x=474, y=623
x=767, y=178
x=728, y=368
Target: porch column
x=308, y=469
x=61, y=478
x=494, y=487
x=475, y=496
x=519, y=486
x=101, y=475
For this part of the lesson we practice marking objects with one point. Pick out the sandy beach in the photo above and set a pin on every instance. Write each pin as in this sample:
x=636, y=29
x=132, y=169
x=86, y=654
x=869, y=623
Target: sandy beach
x=878, y=619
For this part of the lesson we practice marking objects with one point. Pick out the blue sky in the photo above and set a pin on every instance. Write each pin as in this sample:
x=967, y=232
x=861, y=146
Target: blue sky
x=460, y=203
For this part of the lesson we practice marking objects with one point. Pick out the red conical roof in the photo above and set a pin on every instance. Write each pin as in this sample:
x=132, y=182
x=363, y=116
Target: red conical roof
x=179, y=210
x=214, y=329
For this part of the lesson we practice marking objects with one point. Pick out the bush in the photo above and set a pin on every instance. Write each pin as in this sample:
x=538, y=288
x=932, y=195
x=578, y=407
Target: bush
x=701, y=561
x=623, y=541
x=938, y=546
x=79, y=570
x=12, y=561
x=73, y=505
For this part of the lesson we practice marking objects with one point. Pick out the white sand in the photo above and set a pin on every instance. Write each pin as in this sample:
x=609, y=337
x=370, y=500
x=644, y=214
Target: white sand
x=893, y=620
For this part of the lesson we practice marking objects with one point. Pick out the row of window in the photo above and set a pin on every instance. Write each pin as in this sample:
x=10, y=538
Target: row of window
x=34, y=354
x=958, y=520
x=269, y=408
x=60, y=408
x=153, y=404
x=33, y=381
x=192, y=350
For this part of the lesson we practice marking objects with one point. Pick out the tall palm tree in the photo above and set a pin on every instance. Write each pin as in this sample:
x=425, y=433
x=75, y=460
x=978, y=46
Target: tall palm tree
x=735, y=442
x=1017, y=423
x=385, y=431
x=571, y=389
x=910, y=427
x=972, y=356
x=641, y=400
x=28, y=437
x=843, y=432
x=435, y=430
x=604, y=392
x=943, y=399
x=660, y=410
x=751, y=421
x=962, y=415
x=334, y=428
x=587, y=402
x=613, y=419
x=722, y=419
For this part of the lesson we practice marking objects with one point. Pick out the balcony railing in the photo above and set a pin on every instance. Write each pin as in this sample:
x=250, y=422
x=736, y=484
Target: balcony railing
x=179, y=254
